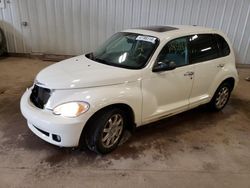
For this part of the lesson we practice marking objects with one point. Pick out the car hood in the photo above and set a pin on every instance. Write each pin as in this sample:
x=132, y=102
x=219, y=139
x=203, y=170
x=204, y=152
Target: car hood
x=81, y=72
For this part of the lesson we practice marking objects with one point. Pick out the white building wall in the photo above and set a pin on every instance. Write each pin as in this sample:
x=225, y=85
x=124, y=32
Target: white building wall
x=72, y=27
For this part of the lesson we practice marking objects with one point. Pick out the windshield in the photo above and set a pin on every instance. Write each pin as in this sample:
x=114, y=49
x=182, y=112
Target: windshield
x=128, y=50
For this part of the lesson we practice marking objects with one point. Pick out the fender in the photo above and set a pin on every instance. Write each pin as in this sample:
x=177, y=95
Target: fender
x=99, y=97
x=227, y=72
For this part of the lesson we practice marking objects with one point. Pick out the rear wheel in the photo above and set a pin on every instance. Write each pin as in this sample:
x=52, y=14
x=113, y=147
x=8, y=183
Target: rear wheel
x=221, y=97
x=3, y=48
x=105, y=132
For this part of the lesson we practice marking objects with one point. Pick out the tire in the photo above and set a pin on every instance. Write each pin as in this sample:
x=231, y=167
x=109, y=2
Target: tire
x=3, y=48
x=104, y=133
x=220, y=97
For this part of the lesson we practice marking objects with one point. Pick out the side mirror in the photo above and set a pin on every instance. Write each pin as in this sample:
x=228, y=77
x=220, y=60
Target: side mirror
x=164, y=65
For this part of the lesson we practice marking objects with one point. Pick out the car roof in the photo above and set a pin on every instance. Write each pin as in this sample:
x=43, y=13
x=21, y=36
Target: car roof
x=171, y=30
x=158, y=28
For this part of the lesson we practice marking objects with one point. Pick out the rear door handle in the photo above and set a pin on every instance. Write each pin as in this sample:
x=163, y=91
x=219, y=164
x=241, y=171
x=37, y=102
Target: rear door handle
x=220, y=65
x=189, y=73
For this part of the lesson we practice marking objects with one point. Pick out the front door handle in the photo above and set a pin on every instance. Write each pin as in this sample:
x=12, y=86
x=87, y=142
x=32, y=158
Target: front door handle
x=189, y=73
x=220, y=65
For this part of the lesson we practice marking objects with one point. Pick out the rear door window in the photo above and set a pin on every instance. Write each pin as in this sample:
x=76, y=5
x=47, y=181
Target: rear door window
x=203, y=47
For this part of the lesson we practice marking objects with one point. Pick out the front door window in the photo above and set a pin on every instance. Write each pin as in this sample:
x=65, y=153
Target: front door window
x=175, y=51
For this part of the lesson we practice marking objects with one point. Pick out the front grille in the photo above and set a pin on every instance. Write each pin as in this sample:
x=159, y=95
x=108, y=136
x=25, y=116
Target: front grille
x=39, y=96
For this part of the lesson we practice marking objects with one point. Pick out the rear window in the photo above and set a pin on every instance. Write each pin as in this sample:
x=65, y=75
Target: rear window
x=203, y=47
x=223, y=46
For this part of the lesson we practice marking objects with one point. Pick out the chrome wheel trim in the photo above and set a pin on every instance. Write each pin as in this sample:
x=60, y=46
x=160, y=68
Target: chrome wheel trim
x=222, y=97
x=112, y=130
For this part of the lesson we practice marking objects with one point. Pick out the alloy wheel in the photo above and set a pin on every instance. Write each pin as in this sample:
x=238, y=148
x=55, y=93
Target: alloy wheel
x=112, y=130
x=222, y=97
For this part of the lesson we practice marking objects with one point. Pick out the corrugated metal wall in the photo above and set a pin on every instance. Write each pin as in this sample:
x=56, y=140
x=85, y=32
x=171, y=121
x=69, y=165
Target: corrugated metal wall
x=73, y=27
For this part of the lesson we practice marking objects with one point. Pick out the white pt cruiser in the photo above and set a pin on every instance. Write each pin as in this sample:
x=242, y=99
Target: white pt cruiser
x=136, y=77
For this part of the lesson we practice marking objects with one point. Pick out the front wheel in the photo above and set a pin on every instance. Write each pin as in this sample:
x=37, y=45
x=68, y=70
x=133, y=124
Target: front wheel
x=105, y=132
x=220, y=97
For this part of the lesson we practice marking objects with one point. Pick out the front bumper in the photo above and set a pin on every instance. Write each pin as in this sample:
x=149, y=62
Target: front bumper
x=48, y=126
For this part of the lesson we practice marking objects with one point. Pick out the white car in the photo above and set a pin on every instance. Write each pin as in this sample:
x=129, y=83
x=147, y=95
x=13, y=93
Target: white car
x=136, y=77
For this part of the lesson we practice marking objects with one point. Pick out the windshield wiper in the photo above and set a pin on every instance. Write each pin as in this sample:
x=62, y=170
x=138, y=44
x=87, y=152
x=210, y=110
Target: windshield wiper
x=102, y=61
x=90, y=56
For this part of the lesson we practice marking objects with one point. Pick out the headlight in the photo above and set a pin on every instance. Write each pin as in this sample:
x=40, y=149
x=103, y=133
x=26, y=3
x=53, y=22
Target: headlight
x=71, y=109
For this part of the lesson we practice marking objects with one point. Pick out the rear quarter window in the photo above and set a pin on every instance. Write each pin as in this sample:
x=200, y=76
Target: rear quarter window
x=223, y=46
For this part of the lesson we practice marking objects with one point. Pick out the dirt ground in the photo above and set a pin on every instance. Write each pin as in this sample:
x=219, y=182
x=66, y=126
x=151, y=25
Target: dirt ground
x=197, y=148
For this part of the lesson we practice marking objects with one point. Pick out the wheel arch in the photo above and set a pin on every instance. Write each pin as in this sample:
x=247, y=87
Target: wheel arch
x=231, y=80
x=125, y=107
